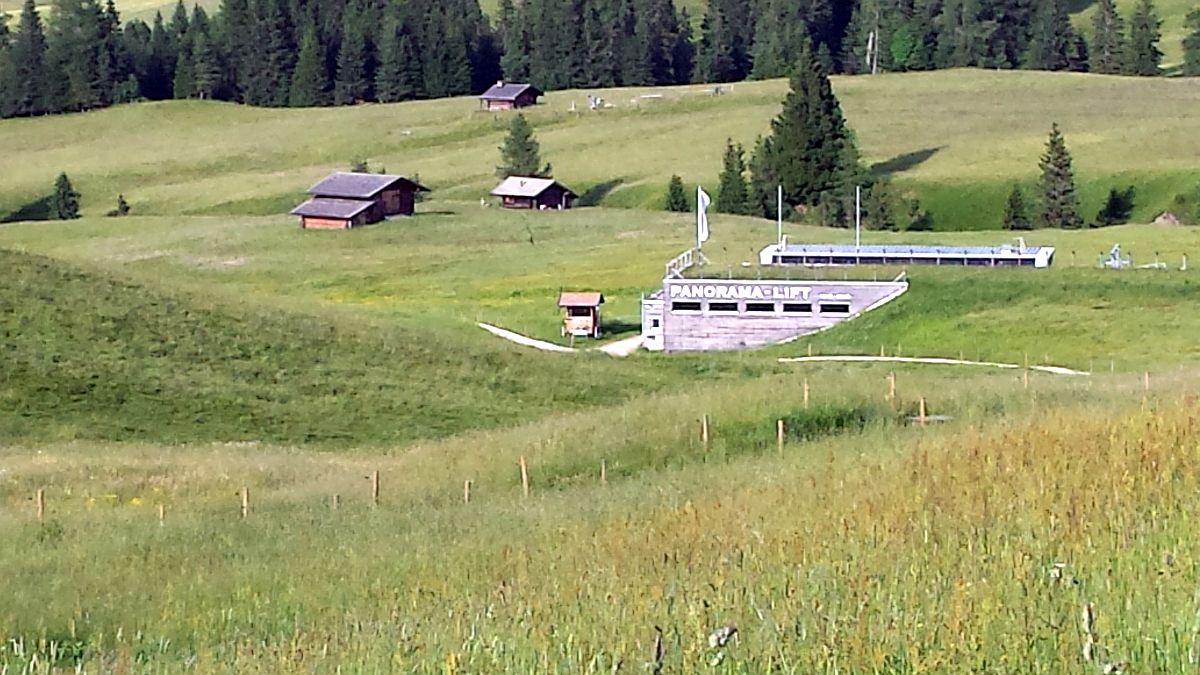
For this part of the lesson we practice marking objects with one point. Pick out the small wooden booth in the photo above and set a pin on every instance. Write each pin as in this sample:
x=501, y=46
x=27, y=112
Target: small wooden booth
x=581, y=313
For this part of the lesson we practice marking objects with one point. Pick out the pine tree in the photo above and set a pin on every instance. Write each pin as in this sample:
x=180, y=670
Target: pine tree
x=351, y=84
x=1117, y=209
x=1059, y=205
x=183, y=85
x=732, y=194
x=1108, y=39
x=514, y=35
x=521, y=154
x=1143, y=56
x=960, y=40
x=764, y=196
x=64, y=202
x=28, y=54
x=677, y=199
x=810, y=151
x=1051, y=35
x=1191, y=45
x=1016, y=212
x=879, y=211
x=309, y=86
x=207, y=69
x=8, y=102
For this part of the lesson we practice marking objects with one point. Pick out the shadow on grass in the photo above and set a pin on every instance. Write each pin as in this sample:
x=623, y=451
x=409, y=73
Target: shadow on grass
x=593, y=195
x=35, y=210
x=901, y=163
x=443, y=212
x=614, y=327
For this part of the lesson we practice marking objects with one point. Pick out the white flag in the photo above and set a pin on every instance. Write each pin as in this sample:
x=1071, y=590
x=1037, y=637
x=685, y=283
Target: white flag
x=702, y=202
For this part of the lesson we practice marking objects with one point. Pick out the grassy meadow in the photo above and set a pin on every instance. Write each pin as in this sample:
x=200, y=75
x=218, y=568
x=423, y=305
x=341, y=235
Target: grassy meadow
x=205, y=345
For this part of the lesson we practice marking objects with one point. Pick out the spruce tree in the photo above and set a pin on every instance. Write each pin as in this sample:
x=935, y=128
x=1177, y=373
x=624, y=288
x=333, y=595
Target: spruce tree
x=677, y=198
x=309, y=86
x=183, y=85
x=764, y=183
x=1108, y=39
x=28, y=55
x=1117, y=209
x=960, y=40
x=879, y=206
x=1191, y=45
x=7, y=69
x=1059, y=205
x=1143, y=56
x=521, y=155
x=1016, y=212
x=207, y=69
x=1051, y=37
x=810, y=152
x=351, y=84
x=64, y=202
x=732, y=194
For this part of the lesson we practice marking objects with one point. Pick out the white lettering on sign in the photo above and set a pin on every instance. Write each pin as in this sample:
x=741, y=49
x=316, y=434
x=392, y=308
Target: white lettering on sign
x=739, y=292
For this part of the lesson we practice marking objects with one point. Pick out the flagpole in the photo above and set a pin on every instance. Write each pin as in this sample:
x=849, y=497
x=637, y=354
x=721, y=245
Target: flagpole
x=699, y=210
x=779, y=215
x=857, y=217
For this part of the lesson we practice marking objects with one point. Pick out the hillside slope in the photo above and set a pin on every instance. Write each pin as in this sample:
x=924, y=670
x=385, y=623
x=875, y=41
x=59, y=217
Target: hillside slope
x=956, y=138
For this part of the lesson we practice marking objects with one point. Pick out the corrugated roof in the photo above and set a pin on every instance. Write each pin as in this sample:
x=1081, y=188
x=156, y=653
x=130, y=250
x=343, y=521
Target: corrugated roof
x=580, y=299
x=526, y=186
x=357, y=185
x=508, y=91
x=324, y=207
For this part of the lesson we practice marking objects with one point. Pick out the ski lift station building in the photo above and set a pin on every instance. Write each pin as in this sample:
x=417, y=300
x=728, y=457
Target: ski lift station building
x=839, y=254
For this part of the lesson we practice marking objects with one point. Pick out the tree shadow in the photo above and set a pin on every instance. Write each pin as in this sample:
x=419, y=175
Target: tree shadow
x=35, y=210
x=1075, y=6
x=597, y=192
x=904, y=162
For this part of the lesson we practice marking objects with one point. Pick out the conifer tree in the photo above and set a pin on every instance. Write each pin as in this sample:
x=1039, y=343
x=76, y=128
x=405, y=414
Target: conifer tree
x=1059, y=204
x=1191, y=45
x=351, y=84
x=1051, y=37
x=28, y=54
x=960, y=39
x=1108, y=39
x=157, y=81
x=64, y=202
x=763, y=186
x=1117, y=209
x=7, y=69
x=521, y=154
x=309, y=86
x=810, y=152
x=732, y=194
x=1016, y=212
x=183, y=85
x=677, y=199
x=207, y=70
x=1143, y=56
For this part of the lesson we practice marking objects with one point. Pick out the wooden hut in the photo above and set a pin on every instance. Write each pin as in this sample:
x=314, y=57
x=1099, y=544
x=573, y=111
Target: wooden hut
x=581, y=313
x=332, y=214
x=525, y=192
x=394, y=195
x=508, y=95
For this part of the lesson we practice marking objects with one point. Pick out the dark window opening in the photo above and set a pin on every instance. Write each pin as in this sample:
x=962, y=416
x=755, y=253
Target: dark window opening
x=835, y=309
x=760, y=307
x=722, y=307
x=797, y=308
x=654, y=323
x=579, y=311
x=685, y=307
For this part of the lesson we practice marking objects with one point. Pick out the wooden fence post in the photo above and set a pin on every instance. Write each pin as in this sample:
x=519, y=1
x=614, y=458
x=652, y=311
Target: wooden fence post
x=891, y=397
x=1146, y=382
x=375, y=488
x=40, y=499
x=923, y=411
x=704, y=430
x=466, y=492
x=603, y=471
x=881, y=354
x=806, y=393
x=335, y=501
x=245, y=502
x=1025, y=377
x=524, y=477
x=162, y=515
x=779, y=433
x=810, y=350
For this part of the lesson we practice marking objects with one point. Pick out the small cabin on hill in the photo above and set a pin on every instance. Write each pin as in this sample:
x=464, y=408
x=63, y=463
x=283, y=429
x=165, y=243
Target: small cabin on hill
x=581, y=313
x=508, y=95
x=527, y=192
x=344, y=200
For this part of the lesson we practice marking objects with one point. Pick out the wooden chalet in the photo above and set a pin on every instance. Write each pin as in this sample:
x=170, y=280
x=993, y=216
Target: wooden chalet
x=526, y=192
x=581, y=313
x=345, y=200
x=508, y=95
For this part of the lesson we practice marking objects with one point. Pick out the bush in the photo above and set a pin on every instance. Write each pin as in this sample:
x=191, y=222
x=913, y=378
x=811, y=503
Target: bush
x=1117, y=208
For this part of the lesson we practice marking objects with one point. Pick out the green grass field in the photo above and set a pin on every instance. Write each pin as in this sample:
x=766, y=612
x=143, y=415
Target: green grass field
x=206, y=345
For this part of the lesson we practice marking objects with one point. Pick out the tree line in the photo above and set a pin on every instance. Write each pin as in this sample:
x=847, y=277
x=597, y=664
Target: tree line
x=330, y=52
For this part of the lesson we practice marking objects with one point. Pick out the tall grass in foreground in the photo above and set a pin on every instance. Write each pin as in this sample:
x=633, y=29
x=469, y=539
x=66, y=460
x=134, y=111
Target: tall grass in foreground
x=967, y=548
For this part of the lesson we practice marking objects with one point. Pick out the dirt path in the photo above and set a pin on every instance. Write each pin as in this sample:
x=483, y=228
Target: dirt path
x=1055, y=370
x=623, y=347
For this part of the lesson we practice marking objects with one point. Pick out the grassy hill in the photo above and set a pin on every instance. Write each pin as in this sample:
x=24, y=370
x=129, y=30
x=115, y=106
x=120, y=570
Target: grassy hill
x=956, y=139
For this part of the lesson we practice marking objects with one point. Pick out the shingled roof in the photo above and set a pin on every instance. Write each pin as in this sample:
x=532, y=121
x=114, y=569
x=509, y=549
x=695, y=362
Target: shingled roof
x=508, y=91
x=324, y=207
x=580, y=299
x=358, y=185
x=526, y=186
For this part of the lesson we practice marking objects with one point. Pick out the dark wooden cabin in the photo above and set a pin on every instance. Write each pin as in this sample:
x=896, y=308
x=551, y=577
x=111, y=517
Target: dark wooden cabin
x=506, y=96
x=392, y=195
x=525, y=192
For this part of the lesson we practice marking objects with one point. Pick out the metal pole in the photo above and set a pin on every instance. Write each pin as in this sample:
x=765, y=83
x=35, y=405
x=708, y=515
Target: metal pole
x=779, y=216
x=857, y=217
